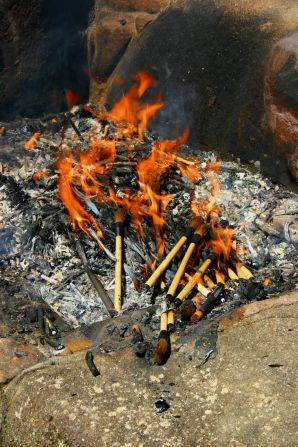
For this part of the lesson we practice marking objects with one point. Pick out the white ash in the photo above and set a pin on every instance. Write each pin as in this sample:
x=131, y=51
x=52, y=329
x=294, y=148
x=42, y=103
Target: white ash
x=34, y=233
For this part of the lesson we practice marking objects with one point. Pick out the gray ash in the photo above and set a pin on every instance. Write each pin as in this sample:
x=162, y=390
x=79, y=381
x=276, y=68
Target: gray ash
x=35, y=228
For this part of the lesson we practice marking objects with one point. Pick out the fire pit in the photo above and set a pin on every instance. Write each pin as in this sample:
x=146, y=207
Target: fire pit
x=100, y=217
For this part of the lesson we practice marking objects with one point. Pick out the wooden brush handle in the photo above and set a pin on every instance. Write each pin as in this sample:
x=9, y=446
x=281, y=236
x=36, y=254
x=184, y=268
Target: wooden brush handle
x=118, y=274
x=164, y=321
x=165, y=263
x=181, y=269
x=171, y=317
x=209, y=282
x=192, y=283
x=243, y=272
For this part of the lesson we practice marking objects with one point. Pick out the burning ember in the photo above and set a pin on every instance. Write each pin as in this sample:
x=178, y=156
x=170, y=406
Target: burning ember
x=149, y=223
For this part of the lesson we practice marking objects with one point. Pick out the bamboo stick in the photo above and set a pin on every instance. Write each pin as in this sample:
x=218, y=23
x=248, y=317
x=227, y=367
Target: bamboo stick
x=242, y=271
x=171, y=321
x=193, y=282
x=119, y=220
x=171, y=255
x=182, y=267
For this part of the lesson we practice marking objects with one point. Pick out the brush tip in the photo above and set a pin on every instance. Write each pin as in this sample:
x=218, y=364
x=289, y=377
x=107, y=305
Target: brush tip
x=119, y=215
x=162, y=348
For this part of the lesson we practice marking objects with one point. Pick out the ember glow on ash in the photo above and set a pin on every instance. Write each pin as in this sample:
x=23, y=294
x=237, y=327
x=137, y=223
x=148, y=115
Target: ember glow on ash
x=30, y=144
x=212, y=259
x=108, y=161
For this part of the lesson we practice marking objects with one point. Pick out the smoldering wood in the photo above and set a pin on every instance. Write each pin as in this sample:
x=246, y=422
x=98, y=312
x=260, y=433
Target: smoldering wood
x=38, y=226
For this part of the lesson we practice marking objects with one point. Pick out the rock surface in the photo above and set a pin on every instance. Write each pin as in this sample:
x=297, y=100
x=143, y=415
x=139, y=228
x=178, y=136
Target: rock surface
x=246, y=396
x=228, y=70
x=47, y=49
x=116, y=23
x=43, y=53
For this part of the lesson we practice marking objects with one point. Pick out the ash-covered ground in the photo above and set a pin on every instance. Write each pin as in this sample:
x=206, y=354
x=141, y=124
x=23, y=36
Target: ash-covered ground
x=37, y=241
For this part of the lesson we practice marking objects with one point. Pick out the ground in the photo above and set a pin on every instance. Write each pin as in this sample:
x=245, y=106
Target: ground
x=245, y=396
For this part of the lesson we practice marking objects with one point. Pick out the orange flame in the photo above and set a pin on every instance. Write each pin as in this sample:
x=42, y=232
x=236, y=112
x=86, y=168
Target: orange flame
x=221, y=242
x=38, y=175
x=30, y=144
x=87, y=170
x=130, y=113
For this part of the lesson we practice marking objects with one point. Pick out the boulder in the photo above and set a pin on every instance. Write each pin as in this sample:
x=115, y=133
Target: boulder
x=48, y=52
x=116, y=23
x=228, y=71
x=245, y=396
x=43, y=53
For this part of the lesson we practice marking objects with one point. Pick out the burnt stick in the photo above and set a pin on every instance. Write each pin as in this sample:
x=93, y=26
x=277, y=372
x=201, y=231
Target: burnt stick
x=107, y=302
x=173, y=252
x=193, y=282
x=196, y=239
x=91, y=365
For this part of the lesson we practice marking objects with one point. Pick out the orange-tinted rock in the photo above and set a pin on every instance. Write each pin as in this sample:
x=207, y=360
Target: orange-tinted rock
x=281, y=99
x=14, y=357
x=140, y=5
x=108, y=38
x=210, y=59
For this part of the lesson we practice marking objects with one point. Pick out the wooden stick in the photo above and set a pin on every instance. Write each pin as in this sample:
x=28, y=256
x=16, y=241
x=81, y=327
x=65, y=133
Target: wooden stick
x=171, y=321
x=232, y=275
x=171, y=255
x=163, y=346
x=242, y=271
x=193, y=282
x=182, y=267
x=97, y=284
x=103, y=295
x=209, y=282
x=119, y=219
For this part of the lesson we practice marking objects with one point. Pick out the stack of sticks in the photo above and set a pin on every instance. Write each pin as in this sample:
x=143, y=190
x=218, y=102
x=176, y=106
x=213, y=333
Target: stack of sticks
x=194, y=295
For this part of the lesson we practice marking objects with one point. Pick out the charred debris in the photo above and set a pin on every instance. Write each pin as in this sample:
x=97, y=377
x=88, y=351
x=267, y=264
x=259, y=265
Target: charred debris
x=226, y=237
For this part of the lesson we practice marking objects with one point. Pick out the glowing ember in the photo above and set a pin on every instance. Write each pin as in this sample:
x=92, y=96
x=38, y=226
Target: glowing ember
x=30, y=144
x=38, y=175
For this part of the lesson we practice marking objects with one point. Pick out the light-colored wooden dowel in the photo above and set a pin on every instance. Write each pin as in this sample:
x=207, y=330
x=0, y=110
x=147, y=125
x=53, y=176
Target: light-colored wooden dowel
x=193, y=282
x=242, y=271
x=164, y=321
x=181, y=269
x=165, y=263
x=118, y=274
